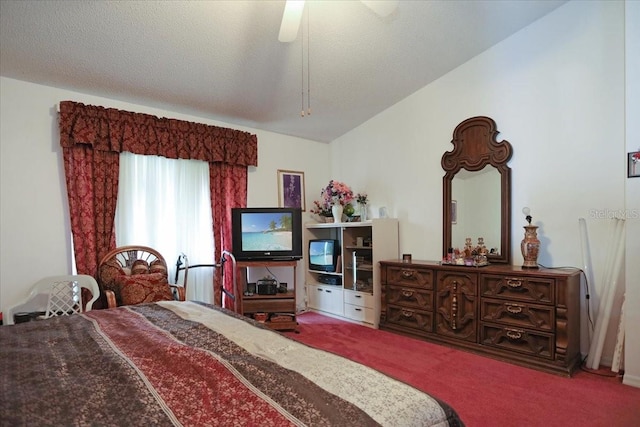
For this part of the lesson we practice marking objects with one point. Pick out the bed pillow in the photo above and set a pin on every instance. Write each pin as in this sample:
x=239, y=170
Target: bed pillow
x=139, y=266
x=143, y=288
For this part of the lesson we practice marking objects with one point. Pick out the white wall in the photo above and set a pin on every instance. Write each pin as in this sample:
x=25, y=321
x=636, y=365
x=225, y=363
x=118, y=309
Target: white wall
x=556, y=90
x=34, y=217
x=632, y=303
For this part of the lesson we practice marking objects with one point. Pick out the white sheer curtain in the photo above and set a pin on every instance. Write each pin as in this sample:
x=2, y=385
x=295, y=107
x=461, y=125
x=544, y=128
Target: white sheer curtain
x=166, y=204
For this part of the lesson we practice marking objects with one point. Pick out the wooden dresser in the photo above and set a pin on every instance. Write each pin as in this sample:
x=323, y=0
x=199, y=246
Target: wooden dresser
x=530, y=317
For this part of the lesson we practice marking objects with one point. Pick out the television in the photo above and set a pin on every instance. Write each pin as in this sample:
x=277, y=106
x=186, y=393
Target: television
x=323, y=254
x=266, y=234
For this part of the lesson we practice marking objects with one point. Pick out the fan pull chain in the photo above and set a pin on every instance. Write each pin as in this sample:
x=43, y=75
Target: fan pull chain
x=308, y=62
x=308, y=112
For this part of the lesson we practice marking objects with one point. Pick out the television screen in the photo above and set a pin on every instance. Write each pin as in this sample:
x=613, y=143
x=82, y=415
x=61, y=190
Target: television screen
x=267, y=233
x=323, y=254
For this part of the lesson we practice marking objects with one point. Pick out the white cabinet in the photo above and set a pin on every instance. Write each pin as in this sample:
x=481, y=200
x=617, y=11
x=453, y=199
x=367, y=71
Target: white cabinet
x=327, y=298
x=357, y=296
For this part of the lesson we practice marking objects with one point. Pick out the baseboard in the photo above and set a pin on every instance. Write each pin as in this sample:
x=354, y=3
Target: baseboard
x=631, y=380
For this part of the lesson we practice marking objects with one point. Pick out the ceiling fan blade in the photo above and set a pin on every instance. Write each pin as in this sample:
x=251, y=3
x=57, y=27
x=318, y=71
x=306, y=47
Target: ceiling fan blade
x=291, y=20
x=381, y=7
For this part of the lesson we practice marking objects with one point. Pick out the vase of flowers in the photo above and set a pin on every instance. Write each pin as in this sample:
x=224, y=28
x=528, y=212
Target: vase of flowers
x=335, y=193
x=362, y=200
x=322, y=210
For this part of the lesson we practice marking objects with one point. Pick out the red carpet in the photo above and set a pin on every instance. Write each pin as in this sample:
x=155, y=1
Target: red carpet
x=483, y=391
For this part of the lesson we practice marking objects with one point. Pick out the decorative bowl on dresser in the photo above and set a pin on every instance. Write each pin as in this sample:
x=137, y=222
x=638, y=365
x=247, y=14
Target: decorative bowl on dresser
x=530, y=317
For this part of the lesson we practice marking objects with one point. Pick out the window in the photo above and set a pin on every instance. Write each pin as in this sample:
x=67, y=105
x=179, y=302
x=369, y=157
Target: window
x=166, y=204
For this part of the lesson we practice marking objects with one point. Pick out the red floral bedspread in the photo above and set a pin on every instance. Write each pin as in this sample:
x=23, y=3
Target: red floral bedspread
x=193, y=365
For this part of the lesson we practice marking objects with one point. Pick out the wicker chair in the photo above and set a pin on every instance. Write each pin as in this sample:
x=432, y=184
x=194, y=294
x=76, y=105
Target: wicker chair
x=126, y=261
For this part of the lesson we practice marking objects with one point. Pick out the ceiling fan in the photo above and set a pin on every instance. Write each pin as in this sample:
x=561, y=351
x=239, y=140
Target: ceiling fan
x=293, y=15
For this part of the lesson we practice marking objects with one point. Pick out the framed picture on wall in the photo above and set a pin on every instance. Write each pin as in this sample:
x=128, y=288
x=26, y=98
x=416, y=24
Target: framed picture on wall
x=454, y=212
x=291, y=189
x=633, y=165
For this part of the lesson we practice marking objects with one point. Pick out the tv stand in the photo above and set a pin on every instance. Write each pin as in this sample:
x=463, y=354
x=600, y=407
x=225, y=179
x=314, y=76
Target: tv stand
x=352, y=292
x=276, y=311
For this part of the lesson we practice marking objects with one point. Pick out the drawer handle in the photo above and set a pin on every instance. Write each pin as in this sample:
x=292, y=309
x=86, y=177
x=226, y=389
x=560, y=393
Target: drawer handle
x=407, y=274
x=328, y=291
x=358, y=296
x=407, y=293
x=514, y=334
x=514, y=283
x=407, y=313
x=358, y=309
x=514, y=308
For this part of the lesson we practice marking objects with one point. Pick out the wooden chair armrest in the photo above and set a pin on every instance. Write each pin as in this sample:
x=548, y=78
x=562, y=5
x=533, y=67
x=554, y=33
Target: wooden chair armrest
x=111, y=299
x=180, y=291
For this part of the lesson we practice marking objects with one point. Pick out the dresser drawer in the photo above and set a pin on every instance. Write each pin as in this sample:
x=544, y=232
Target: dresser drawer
x=417, y=320
x=520, y=315
x=410, y=297
x=361, y=314
x=526, y=341
x=358, y=299
x=530, y=289
x=407, y=276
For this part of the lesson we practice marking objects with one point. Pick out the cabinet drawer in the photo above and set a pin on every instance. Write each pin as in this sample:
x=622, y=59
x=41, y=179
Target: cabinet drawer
x=359, y=313
x=531, y=289
x=269, y=305
x=533, y=316
x=410, y=297
x=410, y=277
x=358, y=299
x=526, y=341
x=418, y=320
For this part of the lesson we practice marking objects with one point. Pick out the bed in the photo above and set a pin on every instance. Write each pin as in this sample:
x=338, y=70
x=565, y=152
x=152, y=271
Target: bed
x=185, y=363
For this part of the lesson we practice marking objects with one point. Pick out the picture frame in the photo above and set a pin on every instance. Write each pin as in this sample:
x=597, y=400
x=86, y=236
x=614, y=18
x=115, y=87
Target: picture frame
x=291, y=189
x=454, y=212
x=633, y=164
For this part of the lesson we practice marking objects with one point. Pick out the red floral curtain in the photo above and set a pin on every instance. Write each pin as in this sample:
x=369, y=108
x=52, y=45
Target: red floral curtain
x=92, y=138
x=92, y=187
x=228, y=184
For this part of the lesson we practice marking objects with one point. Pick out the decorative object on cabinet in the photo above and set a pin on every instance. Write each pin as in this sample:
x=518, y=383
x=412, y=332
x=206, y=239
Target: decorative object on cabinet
x=352, y=291
x=523, y=316
x=291, y=189
x=363, y=200
x=322, y=211
x=336, y=193
x=530, y=245
x=336, y=211
x=633, y=165
x=478, y=163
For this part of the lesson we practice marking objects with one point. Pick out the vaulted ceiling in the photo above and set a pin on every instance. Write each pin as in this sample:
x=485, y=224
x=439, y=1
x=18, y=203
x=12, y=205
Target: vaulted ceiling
x=222, y=59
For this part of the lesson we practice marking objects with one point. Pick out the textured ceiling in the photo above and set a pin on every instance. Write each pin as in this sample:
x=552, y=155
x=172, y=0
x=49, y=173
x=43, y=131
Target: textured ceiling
x=222, y=59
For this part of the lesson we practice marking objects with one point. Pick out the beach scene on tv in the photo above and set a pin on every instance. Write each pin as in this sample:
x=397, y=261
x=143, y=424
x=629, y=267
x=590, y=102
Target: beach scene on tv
x=321, y=253
x=267, y=231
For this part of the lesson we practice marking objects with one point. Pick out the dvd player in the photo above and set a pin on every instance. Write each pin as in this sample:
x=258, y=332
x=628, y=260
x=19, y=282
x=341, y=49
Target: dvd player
x=330, y=280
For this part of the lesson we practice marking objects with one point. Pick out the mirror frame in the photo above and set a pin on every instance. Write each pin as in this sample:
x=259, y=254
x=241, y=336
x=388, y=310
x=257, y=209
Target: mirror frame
x=474, y=147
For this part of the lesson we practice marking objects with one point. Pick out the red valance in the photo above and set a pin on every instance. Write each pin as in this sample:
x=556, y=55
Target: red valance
x=109, y=129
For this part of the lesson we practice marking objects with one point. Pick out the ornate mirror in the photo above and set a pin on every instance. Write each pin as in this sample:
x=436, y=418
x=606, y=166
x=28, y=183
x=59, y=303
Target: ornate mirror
x=477, y=190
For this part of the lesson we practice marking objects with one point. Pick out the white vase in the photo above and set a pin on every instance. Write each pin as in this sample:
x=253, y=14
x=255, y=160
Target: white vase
x=336, y=210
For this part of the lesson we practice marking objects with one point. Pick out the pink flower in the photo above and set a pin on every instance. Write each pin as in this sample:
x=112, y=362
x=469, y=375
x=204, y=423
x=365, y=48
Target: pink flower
x=337, y=193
